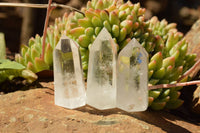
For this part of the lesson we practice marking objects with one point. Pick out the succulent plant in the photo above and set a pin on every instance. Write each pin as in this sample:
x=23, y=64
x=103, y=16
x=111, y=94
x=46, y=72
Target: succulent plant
x=166, y=46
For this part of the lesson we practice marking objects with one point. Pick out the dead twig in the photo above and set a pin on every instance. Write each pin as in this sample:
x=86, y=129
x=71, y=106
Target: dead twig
x=3, y=4
x=49, y=9
x=188, y=72
x=173, y=85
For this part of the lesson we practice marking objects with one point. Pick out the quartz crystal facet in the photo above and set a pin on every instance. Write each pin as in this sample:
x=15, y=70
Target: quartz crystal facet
x=101, y=80
x=132, y=78
x=68, y=75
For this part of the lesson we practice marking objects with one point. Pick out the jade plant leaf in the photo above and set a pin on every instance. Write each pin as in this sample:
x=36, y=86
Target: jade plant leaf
x=7, y=64
x=11, y=69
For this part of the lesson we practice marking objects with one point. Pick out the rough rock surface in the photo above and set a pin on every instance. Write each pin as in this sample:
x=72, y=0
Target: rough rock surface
x=34, y=111
x=193, y=37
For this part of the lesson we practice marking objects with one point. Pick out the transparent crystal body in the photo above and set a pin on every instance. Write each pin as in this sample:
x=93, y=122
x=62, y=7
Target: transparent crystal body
x=68, y=76
x=101, y=80
x=132, y=78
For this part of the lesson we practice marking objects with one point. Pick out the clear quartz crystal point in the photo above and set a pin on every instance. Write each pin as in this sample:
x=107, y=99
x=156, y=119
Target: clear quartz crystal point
x=68, y=76
x=132, y=78
x=101, y=80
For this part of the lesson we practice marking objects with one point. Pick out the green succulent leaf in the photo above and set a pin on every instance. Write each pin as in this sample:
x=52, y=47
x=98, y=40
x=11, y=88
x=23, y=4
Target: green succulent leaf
x=158, y=105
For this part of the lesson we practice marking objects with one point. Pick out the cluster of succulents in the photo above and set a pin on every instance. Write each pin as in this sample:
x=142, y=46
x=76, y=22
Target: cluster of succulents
x=168, y=64
x=166, y=46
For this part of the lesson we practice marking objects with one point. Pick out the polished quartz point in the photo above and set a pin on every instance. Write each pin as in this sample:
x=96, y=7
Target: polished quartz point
x=132, y=78
x=68, y=75
x=101, y=80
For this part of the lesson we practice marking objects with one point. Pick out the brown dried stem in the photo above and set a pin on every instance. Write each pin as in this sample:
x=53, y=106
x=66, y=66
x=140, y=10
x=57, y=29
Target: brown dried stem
x=3, y=4
x=187, y=73
x=45, y=28
x=173, y=85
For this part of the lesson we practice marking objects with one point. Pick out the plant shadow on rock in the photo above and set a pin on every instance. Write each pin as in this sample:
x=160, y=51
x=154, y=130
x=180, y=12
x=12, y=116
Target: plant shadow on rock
x=186, y=110
x=13, y=85
x=160, y=119
x=19, y=84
